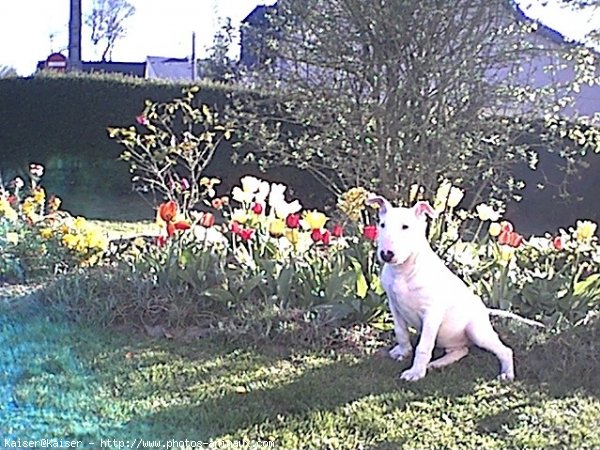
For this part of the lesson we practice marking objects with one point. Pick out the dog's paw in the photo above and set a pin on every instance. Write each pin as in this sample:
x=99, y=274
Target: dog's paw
x=413, y=374
x=505, y=376
x=399, y=352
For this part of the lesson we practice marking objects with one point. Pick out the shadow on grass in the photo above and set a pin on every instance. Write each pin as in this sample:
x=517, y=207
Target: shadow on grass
x=561, y=366
x=565, y=363
x=318, y=390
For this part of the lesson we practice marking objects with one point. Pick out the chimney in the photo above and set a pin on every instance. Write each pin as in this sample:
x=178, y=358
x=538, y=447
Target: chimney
x=75, y=36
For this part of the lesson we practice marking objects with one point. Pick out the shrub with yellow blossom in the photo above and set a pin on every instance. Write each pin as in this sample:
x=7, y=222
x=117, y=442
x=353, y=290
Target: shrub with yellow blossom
x=36, y=239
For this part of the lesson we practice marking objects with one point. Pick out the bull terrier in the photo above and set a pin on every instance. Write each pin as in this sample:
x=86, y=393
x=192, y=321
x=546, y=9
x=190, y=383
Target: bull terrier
x=424, y=294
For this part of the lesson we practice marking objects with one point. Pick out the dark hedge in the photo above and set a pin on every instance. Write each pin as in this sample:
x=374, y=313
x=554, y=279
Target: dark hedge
x=60, y=120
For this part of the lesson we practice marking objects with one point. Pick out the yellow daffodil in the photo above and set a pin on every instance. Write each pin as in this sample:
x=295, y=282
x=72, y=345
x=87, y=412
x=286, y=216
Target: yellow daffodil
x=495, y=229
x=39, y=195
x=29, y=207
x=352, y=202
x=70, y=240
x=315, y=220
x=7, y=211
x=46, y=233
x=277, y=227
x=54, y=203
x=80, y=223
x=585, y=230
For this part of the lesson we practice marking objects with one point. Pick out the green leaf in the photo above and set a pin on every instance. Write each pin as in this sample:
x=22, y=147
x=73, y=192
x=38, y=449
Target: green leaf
x=219, y=294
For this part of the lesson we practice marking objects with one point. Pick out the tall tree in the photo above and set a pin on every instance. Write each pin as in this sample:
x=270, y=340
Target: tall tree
x=391, y=93
x=107, y=21
x=219, y=65
x=75, y=35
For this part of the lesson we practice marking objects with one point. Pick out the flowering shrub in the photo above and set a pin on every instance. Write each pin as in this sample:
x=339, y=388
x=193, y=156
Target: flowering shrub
x=36, y=238
x=171, y=146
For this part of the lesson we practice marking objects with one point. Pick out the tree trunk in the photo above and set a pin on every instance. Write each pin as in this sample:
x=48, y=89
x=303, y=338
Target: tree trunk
x=75, y=36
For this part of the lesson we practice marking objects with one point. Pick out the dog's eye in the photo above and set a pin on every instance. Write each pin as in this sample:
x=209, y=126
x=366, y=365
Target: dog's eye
x=405, y=227
x=381, y=224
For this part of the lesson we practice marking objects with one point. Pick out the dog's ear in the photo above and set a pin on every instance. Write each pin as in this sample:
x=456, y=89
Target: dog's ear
x=383, y=205
x=423, y=208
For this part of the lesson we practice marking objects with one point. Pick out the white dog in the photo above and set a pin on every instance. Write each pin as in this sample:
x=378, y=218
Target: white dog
x=423, y=293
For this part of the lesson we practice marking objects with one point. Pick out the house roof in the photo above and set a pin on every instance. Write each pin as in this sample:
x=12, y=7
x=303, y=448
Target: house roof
x=542, y=29
x=258, y=15
x=169, y=68
x=136, y=69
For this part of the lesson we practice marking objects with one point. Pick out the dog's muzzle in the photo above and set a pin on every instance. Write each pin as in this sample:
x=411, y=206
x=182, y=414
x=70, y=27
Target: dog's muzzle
x=386, y=255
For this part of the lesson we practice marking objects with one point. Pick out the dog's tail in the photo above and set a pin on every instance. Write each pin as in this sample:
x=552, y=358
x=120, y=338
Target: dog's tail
x=502, y=313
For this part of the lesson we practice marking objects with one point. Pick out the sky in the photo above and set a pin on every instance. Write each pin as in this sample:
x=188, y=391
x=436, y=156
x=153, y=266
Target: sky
x=32, y=29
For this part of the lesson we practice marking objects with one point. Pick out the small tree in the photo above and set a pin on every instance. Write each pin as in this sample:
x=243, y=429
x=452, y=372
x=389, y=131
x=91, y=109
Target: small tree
x=107, y=21
x=169, y=151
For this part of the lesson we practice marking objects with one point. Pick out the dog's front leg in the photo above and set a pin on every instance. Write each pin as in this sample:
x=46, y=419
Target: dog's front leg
x=402, y=349
x=429, y=331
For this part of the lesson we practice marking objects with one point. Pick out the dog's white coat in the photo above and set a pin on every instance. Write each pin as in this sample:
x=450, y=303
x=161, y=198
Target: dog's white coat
x=423, y=293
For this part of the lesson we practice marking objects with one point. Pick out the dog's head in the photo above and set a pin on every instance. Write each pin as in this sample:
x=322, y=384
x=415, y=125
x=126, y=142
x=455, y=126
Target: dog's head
x=401, y=231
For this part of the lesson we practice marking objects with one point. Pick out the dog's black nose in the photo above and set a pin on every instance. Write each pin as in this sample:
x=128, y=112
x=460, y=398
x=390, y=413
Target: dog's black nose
x=386, y=255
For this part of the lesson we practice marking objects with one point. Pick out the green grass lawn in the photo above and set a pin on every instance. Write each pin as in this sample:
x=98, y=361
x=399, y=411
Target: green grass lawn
x=64, y=380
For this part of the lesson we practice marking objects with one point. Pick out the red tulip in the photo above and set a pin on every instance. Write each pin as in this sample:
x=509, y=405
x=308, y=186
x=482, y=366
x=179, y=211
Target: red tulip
x=316, y=235
x=292, y=221
x=246, y=233
x=515, y=240
x=168, y=211
x=510, y=238
x=370, y=232
x=182, y=225
x=506, y=226
x=207, y=220
x=257, y=208
x=235, y=227
x=558, y=243
x=337, y=231
x=326, y=237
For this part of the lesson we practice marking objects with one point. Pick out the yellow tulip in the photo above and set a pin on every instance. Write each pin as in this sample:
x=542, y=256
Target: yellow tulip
x=455, y=196
x=277, y=227
x=315, y=220
x=495, y=229
x=415, y=192
x=240, y=216
x=293, y=235
x=585, y=230
x=506, y=253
